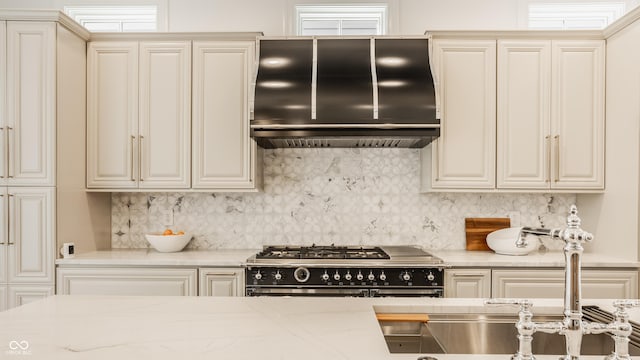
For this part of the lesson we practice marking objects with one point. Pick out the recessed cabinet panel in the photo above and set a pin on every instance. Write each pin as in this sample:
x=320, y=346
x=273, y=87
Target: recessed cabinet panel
x=21, y=294
x=31, y=228
x=165, y=115
x=578, y=113
x=30, y=113
x=523, y=117
x=4, y=236
x=112, y=115
x=221, y=282
x=467, y=283
x=222, y=149
x=464, y=155
x=3, y=103
x=3, y=298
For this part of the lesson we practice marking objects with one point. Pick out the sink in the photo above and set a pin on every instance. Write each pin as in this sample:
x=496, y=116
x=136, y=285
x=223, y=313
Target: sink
x=481, y=334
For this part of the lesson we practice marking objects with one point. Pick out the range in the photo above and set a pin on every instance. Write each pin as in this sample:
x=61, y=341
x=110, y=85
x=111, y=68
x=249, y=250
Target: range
x=357, y=271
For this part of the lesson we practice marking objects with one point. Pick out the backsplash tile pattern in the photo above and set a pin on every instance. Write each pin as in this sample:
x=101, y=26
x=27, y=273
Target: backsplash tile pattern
x=328, y=196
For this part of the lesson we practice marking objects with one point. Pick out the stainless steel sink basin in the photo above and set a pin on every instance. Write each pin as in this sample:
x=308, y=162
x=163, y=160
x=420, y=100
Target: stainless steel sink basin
x=480, y=334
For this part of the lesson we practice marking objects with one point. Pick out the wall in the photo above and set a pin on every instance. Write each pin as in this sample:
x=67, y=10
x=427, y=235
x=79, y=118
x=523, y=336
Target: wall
x=325, y=196
x=614, y=215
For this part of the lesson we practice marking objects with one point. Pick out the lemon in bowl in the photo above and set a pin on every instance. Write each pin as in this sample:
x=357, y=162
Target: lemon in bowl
x=168, y=241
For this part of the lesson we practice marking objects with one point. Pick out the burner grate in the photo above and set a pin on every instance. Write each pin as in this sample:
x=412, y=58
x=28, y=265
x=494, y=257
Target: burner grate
x=322, y=252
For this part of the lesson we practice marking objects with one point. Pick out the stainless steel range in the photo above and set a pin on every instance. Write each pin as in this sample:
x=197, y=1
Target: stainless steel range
x=344, y=271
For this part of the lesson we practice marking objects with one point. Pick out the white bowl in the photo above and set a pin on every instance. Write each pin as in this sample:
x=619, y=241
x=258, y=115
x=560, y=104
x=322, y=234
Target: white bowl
x=503, y=242
x=168, y=243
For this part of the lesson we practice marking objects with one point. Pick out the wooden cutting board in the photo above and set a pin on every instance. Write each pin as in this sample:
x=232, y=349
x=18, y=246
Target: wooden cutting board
x=477, y=230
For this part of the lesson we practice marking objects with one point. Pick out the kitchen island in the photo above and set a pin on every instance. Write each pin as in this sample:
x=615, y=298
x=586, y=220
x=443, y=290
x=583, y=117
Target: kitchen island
x=138, y=327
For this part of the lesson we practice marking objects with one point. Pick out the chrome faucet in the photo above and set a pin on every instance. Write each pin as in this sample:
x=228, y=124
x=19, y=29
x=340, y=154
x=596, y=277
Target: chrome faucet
x=572, y=326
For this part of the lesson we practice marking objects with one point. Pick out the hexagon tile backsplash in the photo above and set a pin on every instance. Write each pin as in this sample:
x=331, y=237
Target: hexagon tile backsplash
x=328, y=196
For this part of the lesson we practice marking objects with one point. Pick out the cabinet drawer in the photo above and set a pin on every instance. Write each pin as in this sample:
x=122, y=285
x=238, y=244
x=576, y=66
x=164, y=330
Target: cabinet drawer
x=127, y=281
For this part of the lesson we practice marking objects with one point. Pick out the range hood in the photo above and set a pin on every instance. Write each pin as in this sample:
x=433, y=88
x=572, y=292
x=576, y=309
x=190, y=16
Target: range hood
x=344, y=92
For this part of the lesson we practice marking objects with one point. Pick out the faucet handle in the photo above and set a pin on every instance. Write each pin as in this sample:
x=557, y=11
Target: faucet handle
x=623, y=304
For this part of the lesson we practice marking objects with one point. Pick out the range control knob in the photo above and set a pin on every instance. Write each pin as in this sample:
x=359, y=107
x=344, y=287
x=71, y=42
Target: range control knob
x=359, y=276
x=278, y=276
x=406, y=276
x=348, y=276
x=336, y=276
x=325, y=276
x=301, y=274
x=430, y=276
x=382, y=276
x=371, y=277
x=257, y=276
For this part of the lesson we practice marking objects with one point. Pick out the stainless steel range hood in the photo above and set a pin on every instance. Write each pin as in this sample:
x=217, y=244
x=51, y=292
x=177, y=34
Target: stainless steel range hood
x=344, y=92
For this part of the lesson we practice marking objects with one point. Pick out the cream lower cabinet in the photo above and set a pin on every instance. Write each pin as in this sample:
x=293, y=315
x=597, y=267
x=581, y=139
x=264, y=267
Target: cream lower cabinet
x=127, y=281
x=464, y=154
x=24, y=294
x=467, y=283
x=221, y=281
x=596, y=284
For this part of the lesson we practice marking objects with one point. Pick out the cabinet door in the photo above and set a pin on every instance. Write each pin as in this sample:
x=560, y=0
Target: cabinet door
x=31, y=225
x=4, y=235
x=223, y=153
x=165, y=114
x=3, y=103
x=577, y=114
x=3, y=298
x=21, y=295
x=523, y=118
x=112, y=115
x=221, y=282
x=464, y=154
x=31, y=86
x=126, y=281
x=467, y=283
x=596, y=284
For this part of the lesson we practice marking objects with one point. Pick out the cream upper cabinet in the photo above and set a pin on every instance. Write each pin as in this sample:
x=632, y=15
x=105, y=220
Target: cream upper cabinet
x=464, y=154
x=224, y=155
x=112, y=115
x=139, y=115
x=523, y=116
x=165, y=115
x=577, y=114
x=3, y=106
x=28, y=121
x=550, y=120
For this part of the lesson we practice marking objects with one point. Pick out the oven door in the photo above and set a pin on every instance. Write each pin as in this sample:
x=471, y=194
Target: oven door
x=278, y=291
x=433, y=293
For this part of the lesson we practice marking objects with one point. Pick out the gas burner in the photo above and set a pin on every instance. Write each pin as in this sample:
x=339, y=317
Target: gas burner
x=322, y=252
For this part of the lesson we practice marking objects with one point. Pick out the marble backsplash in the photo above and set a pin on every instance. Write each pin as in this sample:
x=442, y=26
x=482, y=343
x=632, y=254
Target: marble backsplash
x=328, y=196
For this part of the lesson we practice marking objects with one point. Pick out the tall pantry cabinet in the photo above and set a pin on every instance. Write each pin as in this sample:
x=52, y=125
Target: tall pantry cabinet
x=39, y=94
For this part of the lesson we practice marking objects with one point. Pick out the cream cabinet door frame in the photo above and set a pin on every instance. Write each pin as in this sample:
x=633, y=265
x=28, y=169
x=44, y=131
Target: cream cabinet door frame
x=24, y=294
x=221, y=282
x=4, y=235
x=112, y=114
x=224, y=155
x=596, y=284
x=31, y=225
x=3, y=297
x=3, y=103
x=577, y=113
x=30, y=123
x=524, y=111
x=464, y=155
x=165, y=115
x=467, y=283
x=127, y=281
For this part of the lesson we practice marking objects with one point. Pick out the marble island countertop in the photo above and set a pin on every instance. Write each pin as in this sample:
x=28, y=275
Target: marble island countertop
x=238, y=257
x=102, y=327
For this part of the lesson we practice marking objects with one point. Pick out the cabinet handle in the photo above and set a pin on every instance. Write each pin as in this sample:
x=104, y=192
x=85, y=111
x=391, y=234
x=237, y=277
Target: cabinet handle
x=547, y=146
x=133, y=139
x=140, y=154
x=9, y=158
x=9, y=221
x=557, y=174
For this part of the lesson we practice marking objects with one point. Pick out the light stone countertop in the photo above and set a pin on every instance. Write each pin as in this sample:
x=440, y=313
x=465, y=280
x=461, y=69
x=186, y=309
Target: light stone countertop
x=151, y=257
x=267, y=328
x=238, y=257
x=463, y=258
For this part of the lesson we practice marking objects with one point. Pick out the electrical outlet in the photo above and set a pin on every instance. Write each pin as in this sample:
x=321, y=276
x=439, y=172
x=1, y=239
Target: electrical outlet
x=515, y=218
x=167, y=217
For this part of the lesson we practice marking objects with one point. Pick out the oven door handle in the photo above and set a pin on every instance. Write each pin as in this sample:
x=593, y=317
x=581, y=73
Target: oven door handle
x=271, y=291
x=434, y=293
